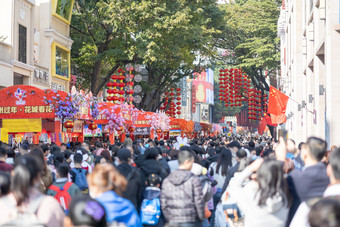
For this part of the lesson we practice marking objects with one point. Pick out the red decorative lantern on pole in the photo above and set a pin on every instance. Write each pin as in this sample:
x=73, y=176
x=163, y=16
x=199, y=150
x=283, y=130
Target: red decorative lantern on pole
x=93, y=126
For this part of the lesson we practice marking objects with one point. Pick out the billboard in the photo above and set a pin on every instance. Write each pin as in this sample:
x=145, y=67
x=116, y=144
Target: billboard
x=204, y=85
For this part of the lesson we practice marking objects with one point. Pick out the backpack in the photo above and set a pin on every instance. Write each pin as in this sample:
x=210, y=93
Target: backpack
x=230, y=207
x=26, y=218
x=150, y=211
x=80, y=179
x=62, y=196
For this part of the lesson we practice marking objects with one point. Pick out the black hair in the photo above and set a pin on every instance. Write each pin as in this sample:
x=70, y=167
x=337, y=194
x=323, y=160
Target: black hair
x=151, y=153
x=63, y=144
x=27, y=170
x=300, y=145
x=85, y=211
x=10, y=153
x=317, y=147
x=78, y=158
x=241, y=154
x=55, y=149
x=334, y=161
x=3, y=152
x=98, y=144
x=258, y=150
x=37, y=152
x=185, y=155
x=161, y=143
x=325, y=213
x=44, y=148
x=271, y=181
x=98, y=159
x=211, y=152
x=58, y=158
x=67, y=154
x=224, y=162
x=5, y=183
x=63, y=170
x=173, y=154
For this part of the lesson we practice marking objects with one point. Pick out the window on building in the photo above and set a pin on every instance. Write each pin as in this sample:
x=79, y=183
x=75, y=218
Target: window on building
x=22, y=43
x=62, y=62
x=64, y=8
x=18, y=79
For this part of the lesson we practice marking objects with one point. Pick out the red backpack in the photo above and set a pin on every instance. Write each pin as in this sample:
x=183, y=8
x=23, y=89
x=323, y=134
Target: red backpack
x=62, y=195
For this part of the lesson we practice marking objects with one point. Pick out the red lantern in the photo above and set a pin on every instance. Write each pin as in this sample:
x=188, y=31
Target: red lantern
x=121, y=77
x=68, y=124
x=178, y=112
x=114, y=77
x=131, y=129
x=121, y=92
x=178, y=89
x=93, y=126
x=158, y=130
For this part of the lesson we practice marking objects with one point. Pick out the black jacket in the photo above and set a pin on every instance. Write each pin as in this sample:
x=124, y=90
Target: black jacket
x=133, y=190
x=149, y=166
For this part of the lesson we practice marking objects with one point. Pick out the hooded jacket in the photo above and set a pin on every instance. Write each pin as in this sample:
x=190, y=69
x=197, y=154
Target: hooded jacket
x=149, y=166
x=133, y=190
x=119, y=209
x=182, y=198
x=274, y=213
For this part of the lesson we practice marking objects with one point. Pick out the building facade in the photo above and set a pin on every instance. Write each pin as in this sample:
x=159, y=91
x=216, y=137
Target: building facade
x=310, y=57
x=35, y=44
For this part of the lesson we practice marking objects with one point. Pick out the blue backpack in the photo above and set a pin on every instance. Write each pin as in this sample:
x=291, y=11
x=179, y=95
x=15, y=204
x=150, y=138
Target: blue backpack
x=151, y=211
x=80, y=178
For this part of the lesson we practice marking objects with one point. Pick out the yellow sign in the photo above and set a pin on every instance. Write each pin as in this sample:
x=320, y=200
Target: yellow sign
x=22, y=125
x=4, y=135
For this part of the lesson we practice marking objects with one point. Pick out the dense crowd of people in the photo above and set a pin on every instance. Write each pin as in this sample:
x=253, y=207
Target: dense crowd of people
x=215, y=181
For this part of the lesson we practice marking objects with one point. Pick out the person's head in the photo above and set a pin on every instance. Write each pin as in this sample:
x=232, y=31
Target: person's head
x=62, y=170
x=124, y=155
x=314, y=150
x=151, y=153
x=26, y=175
x=185, y=159
x=258, y=150
x=68, y=155
x=241, y=154
x=224, y=162
x=106, y=154
x=103, y=178
x=55, y=149
x=234, y=146
x=333, y=168
x=78, y=158
x=98, y=144
x=325, y=213
x=86, y=145
x=58, y=158
x=291, y=146
x=161, y=143
x=251, y=144
x=85, y=211
x=130, y=148
x=24, y=149
x=5, y=183
x=154, y=180
x=63, y=147
x=45, y=148
x=100, y=160
x=271, y=180
x=3, y=154
x=173, y=154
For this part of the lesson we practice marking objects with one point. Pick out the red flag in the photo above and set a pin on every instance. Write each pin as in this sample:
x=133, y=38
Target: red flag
x=262, y=126
x=269, y=120
x=278, y=119
x=278, y=101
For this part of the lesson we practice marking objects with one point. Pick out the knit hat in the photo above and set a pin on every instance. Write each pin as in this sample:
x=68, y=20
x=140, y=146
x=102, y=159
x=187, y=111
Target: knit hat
x=154, y=180
x=124, y=155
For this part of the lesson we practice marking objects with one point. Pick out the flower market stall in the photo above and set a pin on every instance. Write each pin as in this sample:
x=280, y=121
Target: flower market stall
x=24, y=114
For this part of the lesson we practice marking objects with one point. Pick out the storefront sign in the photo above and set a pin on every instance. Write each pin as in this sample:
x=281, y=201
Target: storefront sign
x=174, y=133
x=4, y=135
x=142, y=131
x=95, y=133
x=22, y=125
x=58, y=87
x=22, y=102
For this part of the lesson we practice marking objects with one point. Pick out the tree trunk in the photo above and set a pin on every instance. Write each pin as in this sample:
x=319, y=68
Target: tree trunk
x=95, y=76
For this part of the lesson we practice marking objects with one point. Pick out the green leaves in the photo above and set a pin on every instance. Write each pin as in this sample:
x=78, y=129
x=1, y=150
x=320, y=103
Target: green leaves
x=250, y=32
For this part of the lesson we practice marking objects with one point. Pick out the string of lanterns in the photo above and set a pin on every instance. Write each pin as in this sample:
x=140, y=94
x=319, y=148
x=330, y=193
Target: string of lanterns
x=121, y=87
x=173, y=98
x=235, y=88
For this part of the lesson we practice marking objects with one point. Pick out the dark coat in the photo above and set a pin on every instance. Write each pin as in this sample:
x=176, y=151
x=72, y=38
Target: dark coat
x=149, y=166
x=133, y=190
x=182, y=198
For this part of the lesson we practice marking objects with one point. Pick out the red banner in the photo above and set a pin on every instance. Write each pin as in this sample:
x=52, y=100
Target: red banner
x=22, y=101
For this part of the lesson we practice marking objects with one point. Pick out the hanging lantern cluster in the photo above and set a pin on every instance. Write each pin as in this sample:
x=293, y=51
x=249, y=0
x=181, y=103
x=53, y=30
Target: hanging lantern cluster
x=173, y=99
x=257, y=103
x=233, y=86
x=121, y=87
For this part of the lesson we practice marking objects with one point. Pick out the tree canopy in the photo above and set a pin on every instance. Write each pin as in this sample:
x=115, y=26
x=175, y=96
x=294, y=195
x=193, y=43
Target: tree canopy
x=163, y=35
x=250, y=38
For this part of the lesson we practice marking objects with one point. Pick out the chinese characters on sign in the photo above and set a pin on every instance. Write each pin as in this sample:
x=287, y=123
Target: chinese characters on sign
x=142, y=131
x=25, y=109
